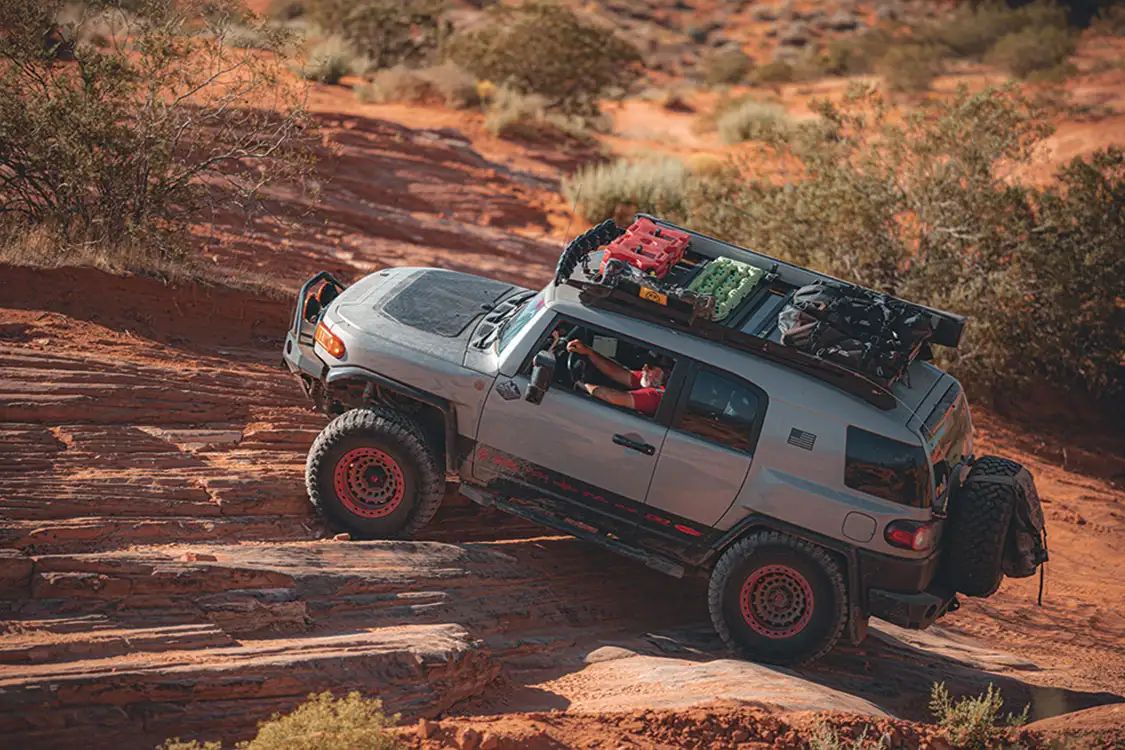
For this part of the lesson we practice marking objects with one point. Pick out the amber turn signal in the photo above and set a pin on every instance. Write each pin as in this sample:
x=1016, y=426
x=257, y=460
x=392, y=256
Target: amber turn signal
x=330, y=341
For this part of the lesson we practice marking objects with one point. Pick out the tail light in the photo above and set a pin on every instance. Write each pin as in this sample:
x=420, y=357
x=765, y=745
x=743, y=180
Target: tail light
x=330, y=341
x=915, y=535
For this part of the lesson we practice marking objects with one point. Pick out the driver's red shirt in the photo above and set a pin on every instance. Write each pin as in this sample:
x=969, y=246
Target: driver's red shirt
x=646, y=400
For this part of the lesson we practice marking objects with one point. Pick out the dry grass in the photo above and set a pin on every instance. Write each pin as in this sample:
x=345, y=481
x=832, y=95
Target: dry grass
x=329, y=61
x=445, y=84
x=623, y=187
x=515, y=116
x=752, y=120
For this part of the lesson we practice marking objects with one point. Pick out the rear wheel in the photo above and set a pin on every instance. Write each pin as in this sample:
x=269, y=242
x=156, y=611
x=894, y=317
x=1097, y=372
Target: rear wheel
x=778, y=599
x=371, y=473
x=977, y=528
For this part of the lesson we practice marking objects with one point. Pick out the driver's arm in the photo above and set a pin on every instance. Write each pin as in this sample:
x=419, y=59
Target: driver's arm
x=606, y=366
x=610, y=395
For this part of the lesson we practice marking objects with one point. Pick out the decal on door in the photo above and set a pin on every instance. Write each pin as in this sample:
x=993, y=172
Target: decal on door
x=514, y=476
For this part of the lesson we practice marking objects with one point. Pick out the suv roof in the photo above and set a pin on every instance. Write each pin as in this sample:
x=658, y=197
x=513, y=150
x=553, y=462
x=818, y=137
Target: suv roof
x=749, y=338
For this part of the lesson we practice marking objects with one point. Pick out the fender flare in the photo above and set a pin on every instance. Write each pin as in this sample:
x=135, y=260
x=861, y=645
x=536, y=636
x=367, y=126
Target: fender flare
x=449, y=414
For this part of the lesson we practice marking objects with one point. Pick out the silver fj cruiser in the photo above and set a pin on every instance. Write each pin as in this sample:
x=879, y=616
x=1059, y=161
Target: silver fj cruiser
x=639, y=408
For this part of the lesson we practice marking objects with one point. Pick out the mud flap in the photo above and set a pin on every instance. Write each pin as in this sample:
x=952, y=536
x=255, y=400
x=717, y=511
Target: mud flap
x=857, y=625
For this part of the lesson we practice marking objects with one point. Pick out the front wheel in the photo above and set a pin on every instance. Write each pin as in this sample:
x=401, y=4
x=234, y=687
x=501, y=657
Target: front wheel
x=777, y=599
x=370, y=472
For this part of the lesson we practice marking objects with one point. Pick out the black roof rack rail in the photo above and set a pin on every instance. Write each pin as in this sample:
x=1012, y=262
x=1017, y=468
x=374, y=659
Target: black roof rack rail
x=617, y=300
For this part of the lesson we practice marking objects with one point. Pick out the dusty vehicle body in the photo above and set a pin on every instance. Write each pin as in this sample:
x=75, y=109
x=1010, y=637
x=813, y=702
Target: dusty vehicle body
x=813, y=497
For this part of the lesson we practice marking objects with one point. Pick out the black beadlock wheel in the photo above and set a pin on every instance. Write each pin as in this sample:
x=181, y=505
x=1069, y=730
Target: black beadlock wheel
x=371, y=473
x=778, y=599
x=977, y=527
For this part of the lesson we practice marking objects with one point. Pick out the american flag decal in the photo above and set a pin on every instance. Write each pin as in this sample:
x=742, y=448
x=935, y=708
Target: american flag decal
x=802, y=439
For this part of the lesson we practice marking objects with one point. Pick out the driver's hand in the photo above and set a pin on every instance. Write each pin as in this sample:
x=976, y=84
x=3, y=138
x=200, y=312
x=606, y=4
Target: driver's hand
x=578, y=347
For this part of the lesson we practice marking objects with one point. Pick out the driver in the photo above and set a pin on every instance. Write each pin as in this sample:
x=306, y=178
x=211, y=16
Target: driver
x=643, y=388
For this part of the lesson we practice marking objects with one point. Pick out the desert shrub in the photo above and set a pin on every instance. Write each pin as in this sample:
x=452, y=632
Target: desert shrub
x=623, y=187
x=544, y=49
x=176, y=744
x=703, y=165
x=444, y=84
x=826, y=737
x=921, y=208
x=777, y=71
x=125, y=146
x=329, y=61
x=354, y=722
x=910, y=67
x=856, y=54
x=971, y=31
x=727, y=66
x=516, y=116
x=1110, y=21
x=671, y=98
x=1078, y=273
x=751, y=120
x=287, y=10
x=386, y=32
x=1033, y=50
x=971, y=722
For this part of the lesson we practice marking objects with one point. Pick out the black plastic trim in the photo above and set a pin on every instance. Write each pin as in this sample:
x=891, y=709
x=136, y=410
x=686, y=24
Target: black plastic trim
x=351, y=372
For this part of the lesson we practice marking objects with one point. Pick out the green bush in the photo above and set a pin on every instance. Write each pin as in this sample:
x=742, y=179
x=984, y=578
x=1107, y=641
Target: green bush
x=544, y=49
x=329, y=61
x=727, y=66
x=622, y=188
x=751, y=120
x=320, y=723
x=1110, y=21
x=922, y=208
x=1033, y=50
x=131, y=143
x=971, y=722
x=972, y=31
x=910, y=67
x=386, y=32
x=444, y=84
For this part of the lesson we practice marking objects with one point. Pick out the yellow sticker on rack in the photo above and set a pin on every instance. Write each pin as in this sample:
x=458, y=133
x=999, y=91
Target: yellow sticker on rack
x=653, y=296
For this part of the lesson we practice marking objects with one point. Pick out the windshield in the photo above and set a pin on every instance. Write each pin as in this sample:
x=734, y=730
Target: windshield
x=515, y=323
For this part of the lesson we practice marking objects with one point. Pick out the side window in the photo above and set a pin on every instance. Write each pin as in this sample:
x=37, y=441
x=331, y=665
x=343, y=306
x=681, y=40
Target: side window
x=887, y=468
x=722, y=410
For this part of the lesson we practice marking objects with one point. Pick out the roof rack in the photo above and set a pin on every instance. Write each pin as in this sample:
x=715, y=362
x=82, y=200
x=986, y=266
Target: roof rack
x=669, y=302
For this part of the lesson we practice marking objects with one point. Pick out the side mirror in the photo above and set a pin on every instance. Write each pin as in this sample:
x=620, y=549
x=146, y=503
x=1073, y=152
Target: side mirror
x=542, y=373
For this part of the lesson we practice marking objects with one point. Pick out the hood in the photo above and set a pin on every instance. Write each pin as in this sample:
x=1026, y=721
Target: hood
x=431, y=311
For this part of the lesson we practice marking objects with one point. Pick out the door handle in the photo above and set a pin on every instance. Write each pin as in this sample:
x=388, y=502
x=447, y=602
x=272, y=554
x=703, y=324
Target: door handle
x=637, y=445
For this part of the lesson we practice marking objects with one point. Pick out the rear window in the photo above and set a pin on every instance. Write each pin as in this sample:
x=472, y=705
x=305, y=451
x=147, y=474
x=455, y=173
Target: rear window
x=887, y=468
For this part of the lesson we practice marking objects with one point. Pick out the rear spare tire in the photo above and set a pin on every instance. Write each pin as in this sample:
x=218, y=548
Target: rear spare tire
x=979, y=515
x=777, y=599
x=370, y=472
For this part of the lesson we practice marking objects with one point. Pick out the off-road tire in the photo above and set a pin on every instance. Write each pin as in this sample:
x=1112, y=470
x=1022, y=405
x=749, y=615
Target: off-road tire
x=385, y=439
x=791, y=564
x=976, y=529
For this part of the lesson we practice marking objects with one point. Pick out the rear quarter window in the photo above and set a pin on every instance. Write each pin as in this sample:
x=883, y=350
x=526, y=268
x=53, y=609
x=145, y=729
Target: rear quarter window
x=888, y=469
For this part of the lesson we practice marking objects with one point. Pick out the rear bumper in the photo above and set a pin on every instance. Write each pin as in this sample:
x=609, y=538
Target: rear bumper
x=902, y=591
x=914, y=611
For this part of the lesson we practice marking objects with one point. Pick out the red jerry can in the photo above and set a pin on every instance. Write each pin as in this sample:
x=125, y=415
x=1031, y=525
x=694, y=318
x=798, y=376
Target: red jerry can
x=652, y=249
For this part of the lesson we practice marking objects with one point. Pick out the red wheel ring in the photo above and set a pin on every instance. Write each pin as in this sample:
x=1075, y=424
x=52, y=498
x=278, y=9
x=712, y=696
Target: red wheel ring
x=776, y=601
x=369, y=482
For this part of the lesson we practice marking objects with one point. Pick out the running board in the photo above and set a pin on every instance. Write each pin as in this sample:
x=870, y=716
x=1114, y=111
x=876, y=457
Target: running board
x=572, y=527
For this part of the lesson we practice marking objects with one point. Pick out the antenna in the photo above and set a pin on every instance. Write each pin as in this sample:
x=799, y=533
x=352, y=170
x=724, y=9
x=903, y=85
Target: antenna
x=573, y=211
